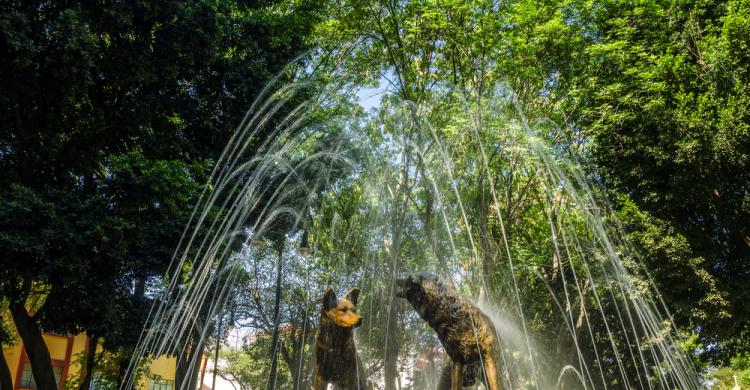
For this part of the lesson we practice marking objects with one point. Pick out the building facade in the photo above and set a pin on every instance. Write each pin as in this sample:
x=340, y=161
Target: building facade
x=65, y=352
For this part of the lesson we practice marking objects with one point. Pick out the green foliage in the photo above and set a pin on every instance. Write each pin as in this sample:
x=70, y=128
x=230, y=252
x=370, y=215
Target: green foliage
x=691, y=290
x=108, y=365
x=447, y=58
x=649, y=94
x=248, y=367
x=664, y=99
x=652, y=95
x=242, y=369
x=724, y=377
x=112, y=117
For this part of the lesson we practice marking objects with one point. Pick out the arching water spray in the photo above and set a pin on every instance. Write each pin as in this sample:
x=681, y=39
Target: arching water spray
x=471, y=192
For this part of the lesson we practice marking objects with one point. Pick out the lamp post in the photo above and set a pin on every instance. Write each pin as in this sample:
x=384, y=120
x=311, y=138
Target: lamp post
x=304, y=247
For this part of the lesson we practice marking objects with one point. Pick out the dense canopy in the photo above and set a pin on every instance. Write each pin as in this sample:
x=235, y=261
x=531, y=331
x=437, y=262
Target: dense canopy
x=497, y=128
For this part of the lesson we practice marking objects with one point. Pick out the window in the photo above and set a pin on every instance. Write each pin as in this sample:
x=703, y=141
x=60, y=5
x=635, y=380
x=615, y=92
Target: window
x=98, y=382
x=160, y=384
x=27, y=377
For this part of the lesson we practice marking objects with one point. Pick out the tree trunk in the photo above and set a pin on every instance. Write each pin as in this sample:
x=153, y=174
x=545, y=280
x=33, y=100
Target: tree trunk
x=297, y=362
x=139, y=290
x=122, y=372
x=202, y=378
x=6, y=380
x=392, y=346
x=399, y=205
x=87, y=371
x=391, y=352
x=487, y=254
x=216, y=352
x=193, y=378
x=36, y=349
x=276, y=320
x=186, y=374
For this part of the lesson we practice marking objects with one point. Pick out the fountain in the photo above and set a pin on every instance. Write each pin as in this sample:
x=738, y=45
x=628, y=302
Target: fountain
x=471, y=191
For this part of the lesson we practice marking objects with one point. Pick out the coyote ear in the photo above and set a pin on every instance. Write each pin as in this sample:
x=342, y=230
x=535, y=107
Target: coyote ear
x=352, y=295
x=329, y=299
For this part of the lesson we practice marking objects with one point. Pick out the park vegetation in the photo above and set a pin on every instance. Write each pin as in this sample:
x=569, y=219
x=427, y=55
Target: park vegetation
x=113, y=116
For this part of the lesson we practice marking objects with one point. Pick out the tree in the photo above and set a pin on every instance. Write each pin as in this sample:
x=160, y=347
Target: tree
x=664, y=98
x=111, y=115
x=651, y=95
x=6, y=379
x=242, y=369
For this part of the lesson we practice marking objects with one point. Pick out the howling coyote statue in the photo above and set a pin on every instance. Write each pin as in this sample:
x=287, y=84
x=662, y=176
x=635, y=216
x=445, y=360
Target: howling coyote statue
x=467, y=334
x=336, y=359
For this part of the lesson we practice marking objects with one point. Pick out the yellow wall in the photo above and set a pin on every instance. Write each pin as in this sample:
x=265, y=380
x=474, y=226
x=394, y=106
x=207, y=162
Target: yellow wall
x=57, y=346
x=79, y=347
x=58, y=349
x=162, y=367
x=12, y=357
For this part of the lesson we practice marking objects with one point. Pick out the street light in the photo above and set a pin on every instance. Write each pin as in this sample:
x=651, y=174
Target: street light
x=304, y=246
